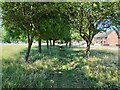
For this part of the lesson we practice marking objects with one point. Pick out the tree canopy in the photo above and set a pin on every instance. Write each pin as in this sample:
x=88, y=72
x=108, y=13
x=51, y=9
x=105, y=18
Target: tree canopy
x=30, y=20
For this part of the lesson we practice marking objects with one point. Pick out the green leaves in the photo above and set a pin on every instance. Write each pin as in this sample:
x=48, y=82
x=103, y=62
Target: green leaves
x=94, y=5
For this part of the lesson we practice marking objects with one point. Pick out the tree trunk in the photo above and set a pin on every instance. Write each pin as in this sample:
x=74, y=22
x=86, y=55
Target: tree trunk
x=28, y=50
x=53, y=42
x=47, y=44
x=66, y=44
x=39, y=46
x=50, y=42
x=88, y=49
x=70, y=44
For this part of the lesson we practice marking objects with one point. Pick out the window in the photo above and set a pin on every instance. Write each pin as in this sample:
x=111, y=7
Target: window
x=105, y=37
x=104, y=42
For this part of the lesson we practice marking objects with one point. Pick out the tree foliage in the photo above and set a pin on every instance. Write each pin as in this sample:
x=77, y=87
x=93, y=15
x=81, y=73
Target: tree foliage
x=53, y=21
x=85, y=15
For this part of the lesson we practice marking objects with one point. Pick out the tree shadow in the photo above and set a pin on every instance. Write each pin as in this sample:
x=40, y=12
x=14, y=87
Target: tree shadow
x=63, y=54
x=20, y=75
x=53, y=68
x=101, y=53
x=105, y=58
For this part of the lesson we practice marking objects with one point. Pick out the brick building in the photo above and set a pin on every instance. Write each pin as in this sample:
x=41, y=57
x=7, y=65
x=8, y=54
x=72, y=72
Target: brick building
x=106, y=38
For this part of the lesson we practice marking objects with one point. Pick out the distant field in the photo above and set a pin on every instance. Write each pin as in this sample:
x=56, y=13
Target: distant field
x=66, y=68
x=12, y=50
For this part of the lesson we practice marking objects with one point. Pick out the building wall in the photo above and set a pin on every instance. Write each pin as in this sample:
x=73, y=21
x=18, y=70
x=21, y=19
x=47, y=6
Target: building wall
x=103, y=39
x=95, y=40
x=112, y=38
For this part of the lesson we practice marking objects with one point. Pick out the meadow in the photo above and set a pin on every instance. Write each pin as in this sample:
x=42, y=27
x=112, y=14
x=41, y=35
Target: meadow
x=59, y=68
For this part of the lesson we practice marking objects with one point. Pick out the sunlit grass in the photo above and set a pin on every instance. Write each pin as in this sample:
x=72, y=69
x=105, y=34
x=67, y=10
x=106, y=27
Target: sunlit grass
x=10, y=51
x=66, y=68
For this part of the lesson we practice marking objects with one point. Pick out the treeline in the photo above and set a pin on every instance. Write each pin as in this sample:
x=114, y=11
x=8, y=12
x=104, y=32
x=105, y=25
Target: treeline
x=56, y=21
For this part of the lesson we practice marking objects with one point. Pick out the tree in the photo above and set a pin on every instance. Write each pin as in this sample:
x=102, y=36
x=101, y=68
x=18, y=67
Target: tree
x=84, y=16
x=53, y=21
x=76, y=36
x=55, y=24
x=20, y=16
x=24, y=20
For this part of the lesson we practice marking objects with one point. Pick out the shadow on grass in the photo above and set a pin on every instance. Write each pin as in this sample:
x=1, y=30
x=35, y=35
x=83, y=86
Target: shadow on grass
x=101, y=53
x=53, y=68
x=63, y=54
x=21, y=75
x=106, y=58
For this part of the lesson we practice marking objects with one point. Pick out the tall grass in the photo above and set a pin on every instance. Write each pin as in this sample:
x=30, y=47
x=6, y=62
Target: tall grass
x=56, y=68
